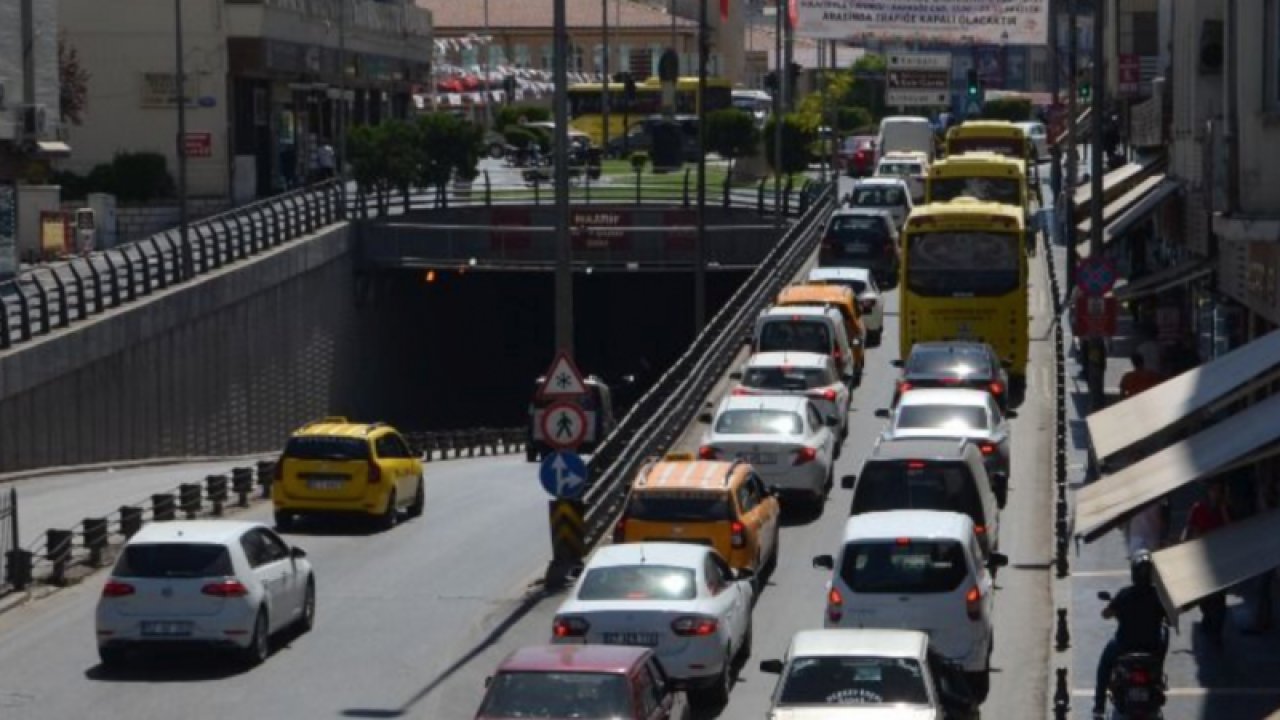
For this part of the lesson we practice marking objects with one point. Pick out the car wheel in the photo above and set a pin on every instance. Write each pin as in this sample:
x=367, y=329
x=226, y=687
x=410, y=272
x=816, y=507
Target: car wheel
x=716, y=694
x=284, y=520
x=112, y=657
x=260, y=644
x=419, y=501
x=387, y=519
x=308, y=618
x=979, y=684
x=874, y=337
x=772, y=565
x=744, y=652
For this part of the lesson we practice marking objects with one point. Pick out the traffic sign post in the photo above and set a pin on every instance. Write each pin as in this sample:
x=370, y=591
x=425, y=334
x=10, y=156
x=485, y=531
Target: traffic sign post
x=563, y=475
x=1095, y=276
x=1095, y=316
x=562, y=379
x=918, y=80
x=563, y=425
x=568, y=539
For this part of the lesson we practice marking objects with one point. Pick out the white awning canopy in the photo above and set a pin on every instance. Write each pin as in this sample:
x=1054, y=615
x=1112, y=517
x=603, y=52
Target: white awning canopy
x=1196, y=569
x=1221, y=446
x=1120, y=426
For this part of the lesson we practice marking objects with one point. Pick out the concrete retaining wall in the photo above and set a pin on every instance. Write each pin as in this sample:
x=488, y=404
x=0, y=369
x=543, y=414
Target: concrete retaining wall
x=230, y=365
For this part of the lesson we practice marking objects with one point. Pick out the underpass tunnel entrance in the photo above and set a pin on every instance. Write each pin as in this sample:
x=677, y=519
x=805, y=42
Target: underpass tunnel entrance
x=449, y=349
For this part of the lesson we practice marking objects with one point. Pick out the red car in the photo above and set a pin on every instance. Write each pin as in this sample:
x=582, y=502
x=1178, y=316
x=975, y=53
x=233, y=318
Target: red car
x=592, y=682
x=857, y=155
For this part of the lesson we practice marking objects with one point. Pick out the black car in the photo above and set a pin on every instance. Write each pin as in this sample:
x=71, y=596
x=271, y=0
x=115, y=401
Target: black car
x=957, y=364
x=862, y=237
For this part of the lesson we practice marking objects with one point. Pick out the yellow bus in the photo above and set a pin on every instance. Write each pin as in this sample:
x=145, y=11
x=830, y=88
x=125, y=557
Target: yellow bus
x=983, y=176
x=998, y=136
x=964, y=277
x=585, y=100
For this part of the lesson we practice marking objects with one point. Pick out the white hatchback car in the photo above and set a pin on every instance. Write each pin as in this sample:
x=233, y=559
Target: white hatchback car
x=800, y=374
x=866, y=674
x=218, y=583
x=806, y=328
x=790, y=444
x=911, y=167
x=955, y=413
x=917, y=570
x=863, y=284
x=681, y=599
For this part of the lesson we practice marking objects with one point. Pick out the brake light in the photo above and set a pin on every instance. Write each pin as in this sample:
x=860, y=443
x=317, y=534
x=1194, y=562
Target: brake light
x=805, y=455
x=115, y=589
x=915, y=465
x=706, y=452
x=740, y=391
x=225, y=589
x=693, y=626
x=1139, y=676
x=902, y=541
x=987, y=448
x=835, y=605
x=980, y=529
x=973, y=603
x=997, y=388
x=738, y=534
x=837, y=355
x=620, y=530
x=375, y=473
x=564, y=627
x=903, y=386
x=829, y=394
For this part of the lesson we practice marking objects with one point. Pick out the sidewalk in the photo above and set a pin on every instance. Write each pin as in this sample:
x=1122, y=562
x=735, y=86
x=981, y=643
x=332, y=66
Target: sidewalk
x=1238, y=681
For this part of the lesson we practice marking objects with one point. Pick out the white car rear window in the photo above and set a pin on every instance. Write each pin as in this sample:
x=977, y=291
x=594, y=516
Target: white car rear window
x=638, y=582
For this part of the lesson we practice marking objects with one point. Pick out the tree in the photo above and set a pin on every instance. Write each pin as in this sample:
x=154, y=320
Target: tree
x=447, y=146
x=732, y=133
x=370, y=168
x=73, y=83
x=866, y=92
x=797, y=133
x=510, y=115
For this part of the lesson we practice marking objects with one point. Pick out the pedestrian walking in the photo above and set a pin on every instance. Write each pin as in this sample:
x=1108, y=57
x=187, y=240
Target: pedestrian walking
x=1139, y=379
x=326, y=161
x=1206, y=516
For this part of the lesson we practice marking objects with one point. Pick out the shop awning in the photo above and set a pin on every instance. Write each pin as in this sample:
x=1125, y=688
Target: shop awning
x=1184, y=272
x=1126, y=175
x=1127, y=422
x=1222, y=446
x=1196, y=569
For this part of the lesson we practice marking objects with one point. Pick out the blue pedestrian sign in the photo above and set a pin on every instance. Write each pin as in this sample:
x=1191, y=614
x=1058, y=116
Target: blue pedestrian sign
x=563, y=475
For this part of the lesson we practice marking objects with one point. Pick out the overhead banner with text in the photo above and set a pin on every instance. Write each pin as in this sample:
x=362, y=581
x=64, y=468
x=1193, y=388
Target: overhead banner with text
x=993, y=22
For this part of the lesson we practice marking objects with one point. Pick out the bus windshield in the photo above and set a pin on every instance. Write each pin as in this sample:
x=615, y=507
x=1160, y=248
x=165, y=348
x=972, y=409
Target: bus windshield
x=1007, y=191
x=963, y=263
x=1008, y=146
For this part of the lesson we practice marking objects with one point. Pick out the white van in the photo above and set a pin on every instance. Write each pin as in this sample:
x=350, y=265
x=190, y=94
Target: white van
x=802, y=328
x=905, y=133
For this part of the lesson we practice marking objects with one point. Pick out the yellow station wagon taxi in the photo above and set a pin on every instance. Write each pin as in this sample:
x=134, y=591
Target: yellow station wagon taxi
x=721, y=504
x=337, y=466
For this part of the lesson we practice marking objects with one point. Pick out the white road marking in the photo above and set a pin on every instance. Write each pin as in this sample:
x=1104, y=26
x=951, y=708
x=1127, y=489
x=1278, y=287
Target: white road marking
x=1101, y=573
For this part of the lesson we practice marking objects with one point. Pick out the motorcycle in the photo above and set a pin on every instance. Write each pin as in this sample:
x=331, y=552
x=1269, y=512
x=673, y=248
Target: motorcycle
x=1137, y=686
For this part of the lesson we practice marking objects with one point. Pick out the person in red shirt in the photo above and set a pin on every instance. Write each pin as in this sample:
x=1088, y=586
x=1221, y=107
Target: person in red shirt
x=1206, y=516
x=1139, y=378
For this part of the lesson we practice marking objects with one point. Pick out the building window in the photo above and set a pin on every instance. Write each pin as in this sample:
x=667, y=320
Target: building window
x=1271, y=41
x=497, y=55
x=522, y=55
x=548, y=58
x=624, y=59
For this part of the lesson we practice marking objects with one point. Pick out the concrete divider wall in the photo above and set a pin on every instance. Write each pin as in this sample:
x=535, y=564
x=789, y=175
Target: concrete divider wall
x=228, y=364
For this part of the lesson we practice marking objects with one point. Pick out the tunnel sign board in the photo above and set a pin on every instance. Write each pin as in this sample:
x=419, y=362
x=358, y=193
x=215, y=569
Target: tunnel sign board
x=563, y=425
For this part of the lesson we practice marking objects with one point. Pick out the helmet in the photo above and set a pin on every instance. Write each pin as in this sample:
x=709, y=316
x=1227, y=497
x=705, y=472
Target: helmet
x=1140, y=569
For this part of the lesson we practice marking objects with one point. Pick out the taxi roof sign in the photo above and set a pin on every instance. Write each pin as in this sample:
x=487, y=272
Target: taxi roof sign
x=563, y=380
x=678, y=456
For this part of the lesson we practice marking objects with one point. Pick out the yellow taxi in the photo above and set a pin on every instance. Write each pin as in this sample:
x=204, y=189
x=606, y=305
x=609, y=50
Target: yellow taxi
x=721, y=504
x=342, y=467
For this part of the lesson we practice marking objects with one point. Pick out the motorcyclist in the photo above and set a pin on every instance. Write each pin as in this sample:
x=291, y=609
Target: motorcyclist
x=1141, y=626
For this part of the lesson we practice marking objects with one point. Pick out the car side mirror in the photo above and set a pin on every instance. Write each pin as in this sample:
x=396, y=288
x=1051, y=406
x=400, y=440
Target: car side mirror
x=735, y=375
x=896, y=362
x=882, y=413
x=997, y=560
x=771, y=666
x=825, y=562
x=744, y=574
x=847, y=481
x=297, y=552
x=1104, y=595
x=1010, y=414
x=832, y=421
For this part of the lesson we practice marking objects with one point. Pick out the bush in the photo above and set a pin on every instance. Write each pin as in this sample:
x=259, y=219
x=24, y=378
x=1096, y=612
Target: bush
x=732, y=133
x=132, y=177
x=849, y=119
x=510, y=116
x=639, y=159
x=797, y=134
x=519, y=137
x=1011, y=109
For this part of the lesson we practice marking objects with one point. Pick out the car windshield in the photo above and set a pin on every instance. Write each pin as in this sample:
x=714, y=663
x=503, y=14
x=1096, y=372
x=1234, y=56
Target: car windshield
x=323, y=447
x=1006, y=191
x=953, y=418
x=964, y=362
x=899, y=169
x=758, y=422
x=878, y=196
x=791, y=379
x=588, y=695
x=917, y=485
x=638, y=582
x=904, y=565
x=857, y=286
x=174, y=560
x=679, y=507
x=828, y=680
x=795, y=335
x=1013, y=147
x=963, y=264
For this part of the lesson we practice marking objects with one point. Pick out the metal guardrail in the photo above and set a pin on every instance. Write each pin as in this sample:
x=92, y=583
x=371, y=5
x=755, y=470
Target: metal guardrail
x=481, y=442
x=8, y=535
x=659, y=417
x=56, y=295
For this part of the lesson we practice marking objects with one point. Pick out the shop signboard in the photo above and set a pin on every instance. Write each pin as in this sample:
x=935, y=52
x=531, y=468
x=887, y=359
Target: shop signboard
x=1130, y=71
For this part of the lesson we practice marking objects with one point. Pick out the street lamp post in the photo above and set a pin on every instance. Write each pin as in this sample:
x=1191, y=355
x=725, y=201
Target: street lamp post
x=180, y=87
x=1099, y=97
x=700, y=240
x=780, y=82
x=560, y=158
x=604, y=67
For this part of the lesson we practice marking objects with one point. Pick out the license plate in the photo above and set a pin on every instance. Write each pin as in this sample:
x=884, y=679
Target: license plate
x=631, y=638
x=1139, y=695
x=166, y=629
x=856, y=247
x=325, y=483
x=759, y=458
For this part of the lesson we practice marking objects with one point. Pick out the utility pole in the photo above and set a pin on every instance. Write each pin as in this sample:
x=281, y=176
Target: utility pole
x=180, y=88
x=789, y=44
x=488, y=69
x=560, y=158
x=604, y=65
x=700, y=240
x=1055, y=86
x=342, y=94
x=1096, y=167
x=1073, y=157
x=778, y=95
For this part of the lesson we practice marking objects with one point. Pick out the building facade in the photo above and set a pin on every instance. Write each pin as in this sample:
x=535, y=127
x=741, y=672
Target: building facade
x=264, y=82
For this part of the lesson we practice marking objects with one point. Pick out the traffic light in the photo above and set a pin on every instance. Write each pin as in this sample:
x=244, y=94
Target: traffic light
x=1085, y=90
x=771, y=81
x=973, y=89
